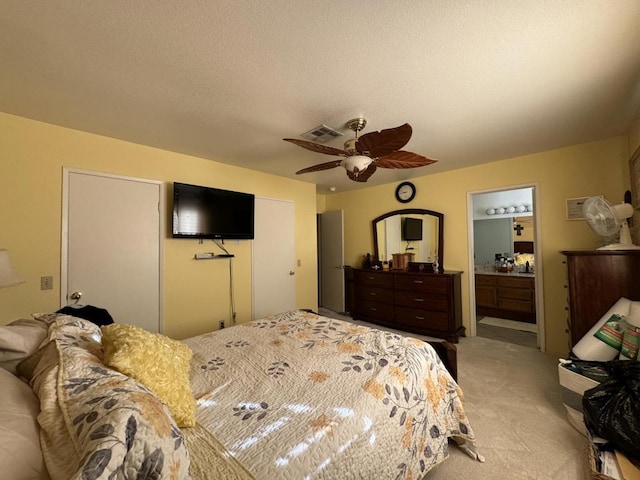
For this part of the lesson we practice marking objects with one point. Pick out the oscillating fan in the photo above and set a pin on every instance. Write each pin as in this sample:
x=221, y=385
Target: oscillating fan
x=608, y=220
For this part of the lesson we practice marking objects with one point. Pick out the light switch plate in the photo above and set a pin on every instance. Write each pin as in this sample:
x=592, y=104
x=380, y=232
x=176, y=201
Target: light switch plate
x=46, y=283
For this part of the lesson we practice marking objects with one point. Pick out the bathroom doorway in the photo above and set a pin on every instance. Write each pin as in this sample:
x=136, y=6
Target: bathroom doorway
x=505, y=253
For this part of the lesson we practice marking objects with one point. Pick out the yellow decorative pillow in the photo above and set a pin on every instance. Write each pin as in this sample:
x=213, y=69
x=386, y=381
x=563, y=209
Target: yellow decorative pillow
x=158, y=362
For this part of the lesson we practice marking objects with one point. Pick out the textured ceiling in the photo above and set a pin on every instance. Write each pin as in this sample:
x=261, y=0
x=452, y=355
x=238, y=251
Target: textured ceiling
x=227, y=80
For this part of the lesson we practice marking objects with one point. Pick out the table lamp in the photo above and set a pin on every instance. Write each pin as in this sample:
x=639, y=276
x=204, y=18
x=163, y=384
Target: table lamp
x=8, y=275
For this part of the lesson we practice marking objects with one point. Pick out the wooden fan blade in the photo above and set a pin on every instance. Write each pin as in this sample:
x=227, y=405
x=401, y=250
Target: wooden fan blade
x=403, y=159
x=317, y=147
x=362, y=176
x=381, y=143
x=321, y=166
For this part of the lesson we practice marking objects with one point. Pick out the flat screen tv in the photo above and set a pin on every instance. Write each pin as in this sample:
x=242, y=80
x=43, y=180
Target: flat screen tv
x=205, y=212
x=412, y=229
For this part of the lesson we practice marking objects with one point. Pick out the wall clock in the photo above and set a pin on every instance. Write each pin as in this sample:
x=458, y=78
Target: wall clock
x=405, y=192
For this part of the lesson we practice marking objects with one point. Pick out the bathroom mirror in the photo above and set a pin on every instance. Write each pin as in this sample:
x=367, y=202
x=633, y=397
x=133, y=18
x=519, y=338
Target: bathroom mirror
x=410, y=230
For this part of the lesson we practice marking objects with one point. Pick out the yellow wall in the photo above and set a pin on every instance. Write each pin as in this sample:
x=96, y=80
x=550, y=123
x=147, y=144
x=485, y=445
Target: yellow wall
x=634, y=148
x=196, y=294
x=577, y=171
x=634, y=136
x=526, y=234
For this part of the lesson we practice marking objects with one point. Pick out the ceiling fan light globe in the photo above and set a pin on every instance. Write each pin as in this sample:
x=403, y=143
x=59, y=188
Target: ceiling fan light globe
x=356, y=163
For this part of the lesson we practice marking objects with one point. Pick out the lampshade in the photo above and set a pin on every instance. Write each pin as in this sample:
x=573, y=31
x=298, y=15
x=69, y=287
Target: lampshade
x=8, y=275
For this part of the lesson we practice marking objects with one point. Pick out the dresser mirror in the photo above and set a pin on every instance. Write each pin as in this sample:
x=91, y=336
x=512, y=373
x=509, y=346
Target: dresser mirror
x=410, y=230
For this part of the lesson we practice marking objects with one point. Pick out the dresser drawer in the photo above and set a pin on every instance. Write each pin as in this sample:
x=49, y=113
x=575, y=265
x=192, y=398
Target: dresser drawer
x=517, y=305
x=486, y=296
x=421, y=283
x=488, y=280
x=516, y=282
x=378, y=311
x=423, y=319
x=374, y=279
x=375, y=294
x=515, y=293
x=425, y=301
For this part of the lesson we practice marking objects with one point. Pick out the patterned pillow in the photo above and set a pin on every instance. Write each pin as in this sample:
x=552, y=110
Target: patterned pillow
x=158, y=362
x=97, y=423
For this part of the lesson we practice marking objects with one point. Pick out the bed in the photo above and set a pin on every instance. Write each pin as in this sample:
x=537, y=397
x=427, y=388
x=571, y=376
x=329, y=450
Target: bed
x=295, y=395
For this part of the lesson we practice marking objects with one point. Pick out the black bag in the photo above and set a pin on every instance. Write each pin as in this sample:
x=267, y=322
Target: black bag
x=612, y=409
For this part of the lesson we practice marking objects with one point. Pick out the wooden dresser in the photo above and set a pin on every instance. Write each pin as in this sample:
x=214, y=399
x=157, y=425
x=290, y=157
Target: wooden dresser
x=510, y=296
x=424, y=303
x=596, y=279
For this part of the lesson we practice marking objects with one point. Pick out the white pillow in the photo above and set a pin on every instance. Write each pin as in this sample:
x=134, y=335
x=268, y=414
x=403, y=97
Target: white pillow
x=20, y=339
x=20, y=454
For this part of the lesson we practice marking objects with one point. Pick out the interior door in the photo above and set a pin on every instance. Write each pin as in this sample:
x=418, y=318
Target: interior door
x=274, y=282
x=479, y=254
x=332, y=260
x=111, y=246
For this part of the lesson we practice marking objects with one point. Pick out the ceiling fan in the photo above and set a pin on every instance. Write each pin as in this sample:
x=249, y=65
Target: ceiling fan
x=362, y=156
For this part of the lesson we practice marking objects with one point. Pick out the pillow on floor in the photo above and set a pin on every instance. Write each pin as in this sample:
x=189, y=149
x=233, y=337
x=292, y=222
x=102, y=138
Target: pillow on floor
x=157, y=361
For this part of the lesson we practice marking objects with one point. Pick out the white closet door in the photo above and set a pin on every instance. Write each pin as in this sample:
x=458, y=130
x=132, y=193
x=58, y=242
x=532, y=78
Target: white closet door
x=111, y=246
x=274, y=282
x=332, y=260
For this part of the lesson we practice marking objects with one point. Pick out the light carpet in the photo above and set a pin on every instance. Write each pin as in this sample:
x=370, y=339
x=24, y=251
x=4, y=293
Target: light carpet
x=512, y=324
x=512, y=399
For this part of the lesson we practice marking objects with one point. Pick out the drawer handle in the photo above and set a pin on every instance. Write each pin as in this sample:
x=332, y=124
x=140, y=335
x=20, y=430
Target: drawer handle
x=417, y=317
x=418, y=281
x=373, y=308
x=418, y=299
x=373, y=294
x=372, y=278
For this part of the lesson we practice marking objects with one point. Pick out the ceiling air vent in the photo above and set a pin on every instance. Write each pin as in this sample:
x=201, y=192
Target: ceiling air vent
x=321, y=134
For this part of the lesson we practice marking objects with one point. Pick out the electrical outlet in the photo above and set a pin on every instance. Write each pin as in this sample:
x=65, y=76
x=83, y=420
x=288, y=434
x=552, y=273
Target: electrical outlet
x=221, y=323
x=46, y=283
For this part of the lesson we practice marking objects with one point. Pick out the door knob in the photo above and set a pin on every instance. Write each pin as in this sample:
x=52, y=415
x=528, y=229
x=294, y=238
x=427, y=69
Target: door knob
x=291, y=272
x=76, y=296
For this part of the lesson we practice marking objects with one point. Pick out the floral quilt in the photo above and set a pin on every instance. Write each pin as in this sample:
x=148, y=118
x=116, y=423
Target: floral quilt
x=298, y=395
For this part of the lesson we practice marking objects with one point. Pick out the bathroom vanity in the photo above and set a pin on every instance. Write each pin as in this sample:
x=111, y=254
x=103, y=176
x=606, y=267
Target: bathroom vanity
x=509, y=295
